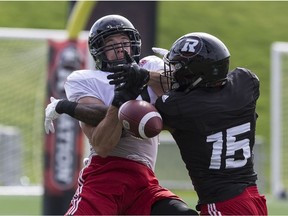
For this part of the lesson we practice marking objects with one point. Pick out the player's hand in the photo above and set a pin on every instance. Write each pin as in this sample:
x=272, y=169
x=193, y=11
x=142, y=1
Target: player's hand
x=125, y=94
x=128, y=75
x=50, y=115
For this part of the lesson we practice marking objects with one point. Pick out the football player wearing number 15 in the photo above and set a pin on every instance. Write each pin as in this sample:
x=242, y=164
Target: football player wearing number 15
x=212, y=114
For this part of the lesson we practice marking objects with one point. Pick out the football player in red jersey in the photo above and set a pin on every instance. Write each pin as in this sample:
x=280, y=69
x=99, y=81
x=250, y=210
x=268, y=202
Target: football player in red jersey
x=118, y=177
x=211, y=114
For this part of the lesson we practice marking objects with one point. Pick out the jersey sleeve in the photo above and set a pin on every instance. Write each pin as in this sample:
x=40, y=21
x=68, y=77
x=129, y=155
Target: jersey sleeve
x=85, y=83
x=152, y=62
x=168, y=108
x=249, y=79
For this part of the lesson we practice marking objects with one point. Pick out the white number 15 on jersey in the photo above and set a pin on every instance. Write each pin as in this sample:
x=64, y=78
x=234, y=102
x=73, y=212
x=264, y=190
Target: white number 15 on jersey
x=231, y=147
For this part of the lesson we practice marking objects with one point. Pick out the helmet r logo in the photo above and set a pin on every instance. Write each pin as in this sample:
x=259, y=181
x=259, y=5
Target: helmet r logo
x=190, y=45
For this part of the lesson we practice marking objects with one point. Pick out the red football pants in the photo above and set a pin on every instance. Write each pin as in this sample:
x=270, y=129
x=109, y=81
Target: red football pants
x=116, y=186
x=250, y=202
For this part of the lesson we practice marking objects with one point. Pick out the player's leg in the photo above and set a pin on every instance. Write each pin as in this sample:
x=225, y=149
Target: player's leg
x=93, y=196
x=145, y=196
x=171, y=207
x=249, y=202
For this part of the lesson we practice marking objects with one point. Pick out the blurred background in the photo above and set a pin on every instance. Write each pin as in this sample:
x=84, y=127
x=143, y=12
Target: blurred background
x=247, y=28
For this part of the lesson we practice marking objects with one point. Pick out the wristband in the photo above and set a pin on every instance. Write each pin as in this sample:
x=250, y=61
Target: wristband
x=65, y=106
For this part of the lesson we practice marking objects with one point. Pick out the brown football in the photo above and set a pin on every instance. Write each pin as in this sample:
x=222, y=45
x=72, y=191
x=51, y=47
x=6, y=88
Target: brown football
x=140, y=118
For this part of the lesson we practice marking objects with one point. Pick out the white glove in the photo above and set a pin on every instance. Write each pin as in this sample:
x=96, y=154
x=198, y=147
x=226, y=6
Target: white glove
x=50, y=115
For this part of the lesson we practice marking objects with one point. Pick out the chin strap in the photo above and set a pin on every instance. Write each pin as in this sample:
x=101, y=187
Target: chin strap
x=193, y=85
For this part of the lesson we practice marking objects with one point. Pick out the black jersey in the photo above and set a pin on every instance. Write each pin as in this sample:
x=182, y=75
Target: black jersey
x=215, y=131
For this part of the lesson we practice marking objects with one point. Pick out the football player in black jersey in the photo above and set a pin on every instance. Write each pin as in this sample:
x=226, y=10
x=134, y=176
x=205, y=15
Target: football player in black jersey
x=211, y=115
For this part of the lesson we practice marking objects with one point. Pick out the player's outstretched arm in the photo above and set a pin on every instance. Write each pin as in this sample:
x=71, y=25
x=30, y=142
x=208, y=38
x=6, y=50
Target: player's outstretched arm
x=90, y=114
x=155, y=83
x=106, y=135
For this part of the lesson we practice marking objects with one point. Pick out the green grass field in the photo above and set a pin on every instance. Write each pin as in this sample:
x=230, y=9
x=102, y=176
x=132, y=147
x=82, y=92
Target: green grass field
x=248, y=28
x=31, y=205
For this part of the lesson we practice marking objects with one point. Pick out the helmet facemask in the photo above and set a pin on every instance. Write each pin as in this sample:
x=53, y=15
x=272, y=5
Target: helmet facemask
x=98, y=49
x=167, y=79
x=107, y=26
x=178, y=75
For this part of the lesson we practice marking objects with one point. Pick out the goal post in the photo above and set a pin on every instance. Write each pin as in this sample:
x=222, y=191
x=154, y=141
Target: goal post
x=279, y=117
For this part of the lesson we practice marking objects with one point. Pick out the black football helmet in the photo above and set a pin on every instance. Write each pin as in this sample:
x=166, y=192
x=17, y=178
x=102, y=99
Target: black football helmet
x=107, y=26
x=196, y=60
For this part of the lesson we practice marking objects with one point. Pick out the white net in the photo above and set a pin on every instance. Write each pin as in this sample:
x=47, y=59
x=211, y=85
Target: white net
x=23, y=72
x=23, y=67
x=279, y=119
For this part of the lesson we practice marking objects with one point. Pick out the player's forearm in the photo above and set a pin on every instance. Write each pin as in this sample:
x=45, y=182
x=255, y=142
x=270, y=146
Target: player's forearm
x=154, y=83
x=91, y=114
x=107, y=134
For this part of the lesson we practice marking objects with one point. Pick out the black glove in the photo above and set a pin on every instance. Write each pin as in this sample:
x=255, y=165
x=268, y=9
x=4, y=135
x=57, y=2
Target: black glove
x=123, y=95
x=128, y=75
